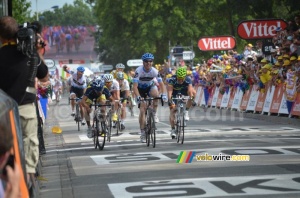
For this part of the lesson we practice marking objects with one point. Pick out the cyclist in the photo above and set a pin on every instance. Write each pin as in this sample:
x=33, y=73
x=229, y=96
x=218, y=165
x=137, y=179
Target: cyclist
x=124, y=93
x=179, y=83
x=119, y=68
x=143, y=85
x=78, y=86
x=57, y=88
x=114, y=89
x=97, y=91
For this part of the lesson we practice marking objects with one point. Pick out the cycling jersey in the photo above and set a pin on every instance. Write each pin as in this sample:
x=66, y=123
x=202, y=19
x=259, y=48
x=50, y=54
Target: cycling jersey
x=145, y=79
x=115, y=86
x=91, y=94
x=81, y=83
x=124, y=86
x=179, y=88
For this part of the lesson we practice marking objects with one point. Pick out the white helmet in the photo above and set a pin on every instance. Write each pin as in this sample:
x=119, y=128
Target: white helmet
x=108, y=78
x=120, y=66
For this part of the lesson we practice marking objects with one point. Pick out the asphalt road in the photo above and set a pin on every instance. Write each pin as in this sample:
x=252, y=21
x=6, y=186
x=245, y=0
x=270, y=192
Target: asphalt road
x=127, y=168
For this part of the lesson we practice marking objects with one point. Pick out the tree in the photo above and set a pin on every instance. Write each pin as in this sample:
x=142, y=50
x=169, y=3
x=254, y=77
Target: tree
x=21, y=10
x=78, y=14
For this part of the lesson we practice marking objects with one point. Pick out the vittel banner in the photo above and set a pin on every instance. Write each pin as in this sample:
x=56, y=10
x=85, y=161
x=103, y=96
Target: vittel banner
x=260, y=29
x=216, y=43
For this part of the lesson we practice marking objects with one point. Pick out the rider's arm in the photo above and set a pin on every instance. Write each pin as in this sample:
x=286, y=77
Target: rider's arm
x=135, y=89
x=170, y=91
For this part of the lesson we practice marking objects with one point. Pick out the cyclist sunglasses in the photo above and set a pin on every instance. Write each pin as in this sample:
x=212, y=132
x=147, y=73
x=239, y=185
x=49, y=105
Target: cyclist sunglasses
x=148, y=61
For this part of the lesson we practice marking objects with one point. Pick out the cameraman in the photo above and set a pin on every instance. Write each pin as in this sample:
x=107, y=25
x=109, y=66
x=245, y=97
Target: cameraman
x=15, y=72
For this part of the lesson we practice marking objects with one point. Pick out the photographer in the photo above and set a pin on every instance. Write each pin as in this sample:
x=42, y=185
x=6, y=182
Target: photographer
x=16, y=81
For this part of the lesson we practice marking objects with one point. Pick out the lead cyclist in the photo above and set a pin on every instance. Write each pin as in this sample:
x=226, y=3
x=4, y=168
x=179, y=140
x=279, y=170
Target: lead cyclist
x=144, y=86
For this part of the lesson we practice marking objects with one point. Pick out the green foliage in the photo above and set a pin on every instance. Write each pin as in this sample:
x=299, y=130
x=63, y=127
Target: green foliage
x=78, y=14
x=133, y=27
x=21, y=10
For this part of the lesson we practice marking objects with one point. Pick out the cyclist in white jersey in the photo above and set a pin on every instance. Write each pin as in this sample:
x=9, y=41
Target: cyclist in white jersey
x=143, y=86
x=124, y=93
x=114, y=89
x=78, y=86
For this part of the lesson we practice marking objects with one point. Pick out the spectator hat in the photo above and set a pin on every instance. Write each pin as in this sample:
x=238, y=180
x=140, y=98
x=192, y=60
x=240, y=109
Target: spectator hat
x=278, y=29
x=286, y=56
x=250, y=45
x=277, y=64
x=279, y=58
x=286, y=63
x=263, y=60
x=293, y=58
x=267, y=66
x=298, y=58
x=290, y=38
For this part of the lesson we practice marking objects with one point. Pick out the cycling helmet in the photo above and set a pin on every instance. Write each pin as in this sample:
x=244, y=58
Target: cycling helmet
x=120, y=66
x=181, y=72
x=147, y=56
x=98, y=85
x=120, y=75
x=80, y=68
x=108, y=78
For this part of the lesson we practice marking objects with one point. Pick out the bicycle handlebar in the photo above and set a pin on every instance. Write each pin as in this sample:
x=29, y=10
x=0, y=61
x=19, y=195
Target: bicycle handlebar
x=101, y=105
x=75, y=98
x=152, y=98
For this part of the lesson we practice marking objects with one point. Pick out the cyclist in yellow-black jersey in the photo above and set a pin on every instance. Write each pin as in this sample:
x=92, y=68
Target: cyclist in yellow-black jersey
x=119, y=68
x=98, y=91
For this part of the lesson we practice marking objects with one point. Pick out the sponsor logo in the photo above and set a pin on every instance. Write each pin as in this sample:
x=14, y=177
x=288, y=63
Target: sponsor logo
x=259, y=29
x=216, y=43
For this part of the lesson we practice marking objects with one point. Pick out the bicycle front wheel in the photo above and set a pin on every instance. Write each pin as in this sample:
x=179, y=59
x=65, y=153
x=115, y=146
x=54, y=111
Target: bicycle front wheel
x=180, y=135
x=96, y=132
x=152, y=131
x=109, y=125
x=102, y=135
x=78, y=117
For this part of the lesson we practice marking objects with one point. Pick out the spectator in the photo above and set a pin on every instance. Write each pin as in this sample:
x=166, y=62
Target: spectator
x=14, y=81
x=13, y=176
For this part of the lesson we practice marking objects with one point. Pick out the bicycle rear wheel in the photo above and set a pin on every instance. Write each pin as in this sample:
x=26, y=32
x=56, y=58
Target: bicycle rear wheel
x=102, y=135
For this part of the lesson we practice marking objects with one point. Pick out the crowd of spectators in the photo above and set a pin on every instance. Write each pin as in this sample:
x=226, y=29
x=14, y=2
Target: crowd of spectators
x=265, y=63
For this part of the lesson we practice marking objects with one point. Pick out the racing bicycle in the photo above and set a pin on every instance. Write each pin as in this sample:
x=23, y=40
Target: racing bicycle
x=101, y=125
x=150, y=129
x=77, y=116
x=179, y=117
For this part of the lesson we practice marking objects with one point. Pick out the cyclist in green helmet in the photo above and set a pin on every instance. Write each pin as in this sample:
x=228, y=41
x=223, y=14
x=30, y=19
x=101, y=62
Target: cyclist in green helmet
x=179, y=83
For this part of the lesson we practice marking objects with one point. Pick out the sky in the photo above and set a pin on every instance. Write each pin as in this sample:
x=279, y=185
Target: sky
x=44, y=5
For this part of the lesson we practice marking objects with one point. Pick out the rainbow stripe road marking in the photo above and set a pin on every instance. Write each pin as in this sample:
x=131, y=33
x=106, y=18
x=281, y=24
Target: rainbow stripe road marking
x=185, y=157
